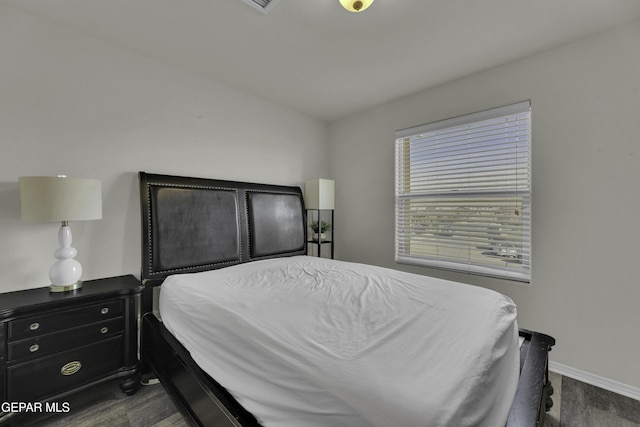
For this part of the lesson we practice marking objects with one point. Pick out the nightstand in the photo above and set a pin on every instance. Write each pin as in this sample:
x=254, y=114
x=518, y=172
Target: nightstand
x=321, y=225
x=54, y=344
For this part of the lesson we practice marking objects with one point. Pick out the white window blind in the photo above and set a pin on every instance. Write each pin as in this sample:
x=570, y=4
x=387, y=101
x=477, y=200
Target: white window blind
x=463, y=198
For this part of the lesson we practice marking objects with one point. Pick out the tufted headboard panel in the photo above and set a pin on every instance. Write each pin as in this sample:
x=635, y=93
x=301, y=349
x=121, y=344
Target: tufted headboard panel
x=197, y=224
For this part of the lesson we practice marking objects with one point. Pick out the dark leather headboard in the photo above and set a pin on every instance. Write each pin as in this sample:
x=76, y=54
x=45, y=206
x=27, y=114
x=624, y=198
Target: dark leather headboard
x=197, y=224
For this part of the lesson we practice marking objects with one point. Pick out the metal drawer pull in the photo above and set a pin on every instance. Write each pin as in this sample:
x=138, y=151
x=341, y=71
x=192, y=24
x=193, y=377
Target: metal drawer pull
x=34, y=326
x=105, y=310
x=71, y=368
x=34, y=348
x=104, y=330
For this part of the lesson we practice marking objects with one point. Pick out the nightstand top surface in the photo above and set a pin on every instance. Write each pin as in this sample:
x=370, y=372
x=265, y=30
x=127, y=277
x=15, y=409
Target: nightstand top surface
x=13, y=303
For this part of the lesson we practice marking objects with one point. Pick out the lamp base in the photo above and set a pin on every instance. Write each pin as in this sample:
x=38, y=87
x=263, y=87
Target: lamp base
x=65, y=273
x=65, y=288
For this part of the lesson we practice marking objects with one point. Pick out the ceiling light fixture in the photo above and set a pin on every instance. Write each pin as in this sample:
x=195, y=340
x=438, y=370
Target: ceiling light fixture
x=356, y=5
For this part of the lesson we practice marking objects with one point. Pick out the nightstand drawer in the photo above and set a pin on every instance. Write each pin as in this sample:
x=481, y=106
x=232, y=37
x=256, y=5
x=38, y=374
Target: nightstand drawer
x=65, y=319
x=43, y=345
x=43, y=377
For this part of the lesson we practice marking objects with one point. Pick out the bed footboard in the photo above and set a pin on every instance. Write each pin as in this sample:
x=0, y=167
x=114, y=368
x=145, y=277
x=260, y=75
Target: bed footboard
x=533, y=396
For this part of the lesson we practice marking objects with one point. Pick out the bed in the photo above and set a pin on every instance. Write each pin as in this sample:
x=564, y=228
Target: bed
x=237, y=290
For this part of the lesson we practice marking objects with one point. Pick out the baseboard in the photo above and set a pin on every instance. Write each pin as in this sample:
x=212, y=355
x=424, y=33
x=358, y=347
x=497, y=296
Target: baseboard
x=595, y=380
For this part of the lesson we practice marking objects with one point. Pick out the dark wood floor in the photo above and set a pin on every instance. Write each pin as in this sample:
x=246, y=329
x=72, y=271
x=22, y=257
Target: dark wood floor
x=105, y=405
x=576, y=404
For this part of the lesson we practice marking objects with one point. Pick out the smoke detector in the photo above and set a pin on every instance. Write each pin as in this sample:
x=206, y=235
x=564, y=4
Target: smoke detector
x=263, y=6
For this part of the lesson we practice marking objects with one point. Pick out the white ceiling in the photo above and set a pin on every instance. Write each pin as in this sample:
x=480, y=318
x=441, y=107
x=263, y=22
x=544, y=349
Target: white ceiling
x=317, y=58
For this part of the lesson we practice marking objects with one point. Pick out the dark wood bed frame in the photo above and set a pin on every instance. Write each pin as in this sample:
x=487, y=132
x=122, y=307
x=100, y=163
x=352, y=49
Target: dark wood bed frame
x=196, y=224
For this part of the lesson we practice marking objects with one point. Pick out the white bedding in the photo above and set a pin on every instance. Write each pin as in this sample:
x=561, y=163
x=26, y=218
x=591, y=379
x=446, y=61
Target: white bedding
x=305, y=341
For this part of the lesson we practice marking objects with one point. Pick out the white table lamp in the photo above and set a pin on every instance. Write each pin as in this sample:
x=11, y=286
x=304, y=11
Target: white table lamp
x=61, y=199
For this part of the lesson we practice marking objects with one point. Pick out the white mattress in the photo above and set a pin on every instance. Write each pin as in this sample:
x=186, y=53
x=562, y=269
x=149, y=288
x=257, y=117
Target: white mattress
x=305, y=341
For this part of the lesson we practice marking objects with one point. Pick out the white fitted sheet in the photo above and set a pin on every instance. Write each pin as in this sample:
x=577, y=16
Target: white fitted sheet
x=304, y=341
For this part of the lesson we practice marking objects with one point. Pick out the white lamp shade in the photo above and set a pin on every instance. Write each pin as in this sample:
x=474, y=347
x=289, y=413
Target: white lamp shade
x=59, y=198
x=319, y=194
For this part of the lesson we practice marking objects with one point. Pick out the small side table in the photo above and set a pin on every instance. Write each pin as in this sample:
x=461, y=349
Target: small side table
x=321, y=239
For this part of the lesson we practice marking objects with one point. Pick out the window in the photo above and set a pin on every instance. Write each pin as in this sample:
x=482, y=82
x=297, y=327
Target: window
x=463, y=198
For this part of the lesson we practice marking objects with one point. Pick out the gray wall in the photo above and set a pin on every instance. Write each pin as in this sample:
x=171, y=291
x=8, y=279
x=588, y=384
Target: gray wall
x=585, y=99
x=73, y=105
